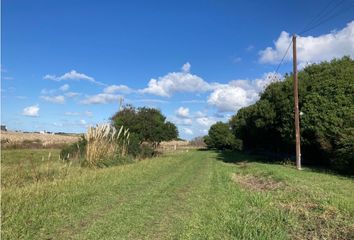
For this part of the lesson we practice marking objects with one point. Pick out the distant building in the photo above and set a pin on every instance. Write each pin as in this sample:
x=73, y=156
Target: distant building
x=3, y=128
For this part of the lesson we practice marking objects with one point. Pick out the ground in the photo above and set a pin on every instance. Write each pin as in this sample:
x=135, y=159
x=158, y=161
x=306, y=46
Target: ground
x=189, y=195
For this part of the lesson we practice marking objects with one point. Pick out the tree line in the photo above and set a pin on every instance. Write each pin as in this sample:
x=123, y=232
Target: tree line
x=326, y=102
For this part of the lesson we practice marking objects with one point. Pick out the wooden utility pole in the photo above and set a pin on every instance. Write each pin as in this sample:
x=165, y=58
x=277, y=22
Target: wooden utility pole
x=296, y=107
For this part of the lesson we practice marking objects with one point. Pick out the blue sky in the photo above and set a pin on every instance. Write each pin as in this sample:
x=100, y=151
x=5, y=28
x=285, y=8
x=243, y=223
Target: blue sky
x=65, y=64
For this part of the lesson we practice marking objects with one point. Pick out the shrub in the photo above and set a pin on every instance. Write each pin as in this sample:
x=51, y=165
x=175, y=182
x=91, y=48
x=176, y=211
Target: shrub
x=75, y=150
x=105, y=144
x=220, y=137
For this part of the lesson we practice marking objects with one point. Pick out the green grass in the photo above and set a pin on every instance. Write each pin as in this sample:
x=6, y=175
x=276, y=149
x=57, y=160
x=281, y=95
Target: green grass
x=194, y=195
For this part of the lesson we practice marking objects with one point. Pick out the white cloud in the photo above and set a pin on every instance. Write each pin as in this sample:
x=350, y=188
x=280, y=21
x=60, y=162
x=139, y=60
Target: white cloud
x=183, y=121
x=72, y=94
x=206, y=121
x=312, y=49
x=176, y=82
x=182, y=112
x=188, y=131
x=239, y=93
x=186, y=67
x=83, y=122
x=200, y=114
x=46, y=91
x=117, y=88
x=65, y=87
x=72, y=113
x=250, y=48
x=88, y=114
x=72, y=75
x=101, y=98
x=31, y=111
x=54, y=99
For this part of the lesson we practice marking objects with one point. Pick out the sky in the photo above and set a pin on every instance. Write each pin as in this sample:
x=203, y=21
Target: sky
x=65, y=65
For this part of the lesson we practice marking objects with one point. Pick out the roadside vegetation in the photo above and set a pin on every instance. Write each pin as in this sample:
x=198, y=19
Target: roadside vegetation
x=194, y=195
x=326, y=101
x=89, y=190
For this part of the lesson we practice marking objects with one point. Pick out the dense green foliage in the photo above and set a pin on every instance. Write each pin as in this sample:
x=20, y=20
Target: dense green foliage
x=326, y=99
x=193, y=195
x=220, y=137
x=147, y=124
x=74, y=150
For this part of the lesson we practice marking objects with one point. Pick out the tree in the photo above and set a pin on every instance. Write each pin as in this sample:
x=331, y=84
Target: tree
x=220, y=137
x=326, y=99
x=147, y=124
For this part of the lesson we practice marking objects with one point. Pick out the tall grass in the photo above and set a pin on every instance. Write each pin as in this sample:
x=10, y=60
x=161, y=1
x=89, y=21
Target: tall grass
x=104, y=143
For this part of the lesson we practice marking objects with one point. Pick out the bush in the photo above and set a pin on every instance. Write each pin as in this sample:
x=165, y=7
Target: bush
x=75, y=150
x=146, y=151
x=326, y=99
x=105, y=144
x=220, y=137
x=344, y=155
x=134, y=145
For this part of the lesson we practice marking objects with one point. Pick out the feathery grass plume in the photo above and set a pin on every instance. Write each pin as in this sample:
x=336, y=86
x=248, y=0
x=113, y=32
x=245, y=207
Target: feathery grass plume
x=104, y=142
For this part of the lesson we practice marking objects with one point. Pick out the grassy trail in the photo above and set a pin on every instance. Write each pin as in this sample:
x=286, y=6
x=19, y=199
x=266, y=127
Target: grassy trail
x=195, y=195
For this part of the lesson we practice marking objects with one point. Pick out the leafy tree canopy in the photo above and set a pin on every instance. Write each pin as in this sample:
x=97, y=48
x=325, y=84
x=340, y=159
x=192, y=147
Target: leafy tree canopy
x=326, y=100
x=147, y=124
x=220, y=137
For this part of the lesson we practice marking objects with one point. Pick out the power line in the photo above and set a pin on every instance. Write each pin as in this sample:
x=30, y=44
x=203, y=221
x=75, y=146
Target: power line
x=285, y=54
x=327, y=19
x=318, y=16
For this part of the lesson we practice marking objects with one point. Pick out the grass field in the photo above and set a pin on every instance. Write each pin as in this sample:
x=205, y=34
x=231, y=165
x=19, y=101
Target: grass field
x=192, y=195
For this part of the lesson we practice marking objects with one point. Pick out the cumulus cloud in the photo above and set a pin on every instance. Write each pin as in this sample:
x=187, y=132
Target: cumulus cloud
x=31, y=111
x=188, y=131
x=72, y=94
x=72, y=75
x=182, y=112
x=312, y=49
x=65, y=87
x=205, y=121
x=186, y=67
x=182, y=121
x=117, y=88
x=239, y=93
x=175, y=82
x=101, y=98
x=54, y=99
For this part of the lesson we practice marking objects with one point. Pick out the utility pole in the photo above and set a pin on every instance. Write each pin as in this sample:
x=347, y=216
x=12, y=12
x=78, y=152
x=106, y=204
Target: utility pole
x=296, y=107
x=121, y=99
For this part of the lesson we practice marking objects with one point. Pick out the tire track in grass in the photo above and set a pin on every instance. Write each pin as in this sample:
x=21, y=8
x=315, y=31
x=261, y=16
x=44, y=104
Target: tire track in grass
x=178, y=209
x=154, y=182
x=134, y=219
x=123, y=193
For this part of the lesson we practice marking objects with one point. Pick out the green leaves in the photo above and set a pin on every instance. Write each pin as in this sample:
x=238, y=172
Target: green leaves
x=147, y=124
x=221, y=137
x=326, y=99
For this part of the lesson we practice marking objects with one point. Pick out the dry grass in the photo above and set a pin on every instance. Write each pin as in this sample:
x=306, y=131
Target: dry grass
x=104, y=142
x=13, y=139
x=321, y=221
x=256, y=183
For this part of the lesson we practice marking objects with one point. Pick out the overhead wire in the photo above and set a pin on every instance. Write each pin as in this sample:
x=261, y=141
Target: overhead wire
x=325, y=15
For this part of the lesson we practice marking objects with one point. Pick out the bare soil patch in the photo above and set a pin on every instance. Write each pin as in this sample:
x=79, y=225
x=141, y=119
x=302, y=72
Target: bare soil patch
x=256, y=183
